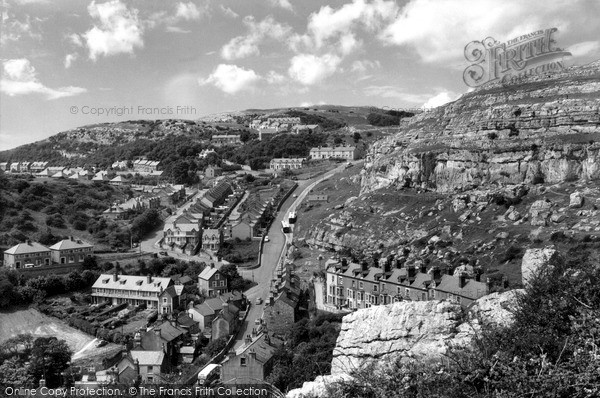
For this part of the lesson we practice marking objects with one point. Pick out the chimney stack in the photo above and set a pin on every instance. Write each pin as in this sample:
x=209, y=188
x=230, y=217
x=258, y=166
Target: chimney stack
x=29, y=244
x=248, y=339
x=411, y=272
x=423, y=268
x=436, y=272
x=115, y=275
x=462, y=279
x=149, y=279
x=364, y=266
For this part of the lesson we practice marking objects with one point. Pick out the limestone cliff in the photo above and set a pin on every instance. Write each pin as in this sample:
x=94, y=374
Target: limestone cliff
x=420, y=331
x=537, y=130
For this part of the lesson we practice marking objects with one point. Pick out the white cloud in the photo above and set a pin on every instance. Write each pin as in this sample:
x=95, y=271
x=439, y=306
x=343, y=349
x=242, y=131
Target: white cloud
x=310, y=69
x=440, y=99
x=332, y=34
x=231, y=79
x=285, y=4
x=187, y=11
x=69, y=58
x=245, y=46
x=274, y=77
x=329, y=24
x=229, y=12
x=118, y=31
x=584, y=48
x=176, y=29
x=439, y=30
x=14, y=30
x=20, y=78
x=364, y=65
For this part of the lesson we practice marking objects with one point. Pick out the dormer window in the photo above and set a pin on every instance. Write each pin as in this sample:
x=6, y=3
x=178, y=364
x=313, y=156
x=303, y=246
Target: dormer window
x=139, y=283
x=105, y=280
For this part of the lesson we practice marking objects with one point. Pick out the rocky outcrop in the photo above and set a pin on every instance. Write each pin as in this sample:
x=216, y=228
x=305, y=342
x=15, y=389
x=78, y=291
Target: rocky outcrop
x=412, y=330
x=421, y=330
x=534, y=259
x=536, y=131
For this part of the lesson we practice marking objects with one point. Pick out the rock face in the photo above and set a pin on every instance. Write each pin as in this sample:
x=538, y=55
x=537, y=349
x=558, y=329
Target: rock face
x=414, y=330
x=538, y=130
x=533, y=259
x=421, y=330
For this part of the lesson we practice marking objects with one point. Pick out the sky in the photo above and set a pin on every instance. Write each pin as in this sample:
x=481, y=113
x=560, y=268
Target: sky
x=69, y=63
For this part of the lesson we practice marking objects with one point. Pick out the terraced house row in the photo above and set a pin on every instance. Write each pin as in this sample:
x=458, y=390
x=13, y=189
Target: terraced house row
x=354, y=286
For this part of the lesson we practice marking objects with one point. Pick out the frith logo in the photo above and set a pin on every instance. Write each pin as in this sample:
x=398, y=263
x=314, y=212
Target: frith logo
x=531, y=54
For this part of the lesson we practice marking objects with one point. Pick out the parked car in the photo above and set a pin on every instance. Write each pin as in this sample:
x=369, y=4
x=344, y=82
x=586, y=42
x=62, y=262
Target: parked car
x=267, y=238
x=102, y=343
x=163, y=253
x=258, y=301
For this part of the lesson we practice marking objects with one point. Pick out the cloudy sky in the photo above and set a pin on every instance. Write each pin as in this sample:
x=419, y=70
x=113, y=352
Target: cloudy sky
x=64, y=61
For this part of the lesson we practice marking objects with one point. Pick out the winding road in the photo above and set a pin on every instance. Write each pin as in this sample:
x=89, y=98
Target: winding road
x=273, y=251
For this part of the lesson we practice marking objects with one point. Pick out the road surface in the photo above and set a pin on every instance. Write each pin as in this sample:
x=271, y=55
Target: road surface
x=272, y=252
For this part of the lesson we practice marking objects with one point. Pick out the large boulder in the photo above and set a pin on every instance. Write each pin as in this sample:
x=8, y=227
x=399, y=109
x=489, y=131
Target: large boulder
x=534, y=259
x=576, y=200
x=414, y=330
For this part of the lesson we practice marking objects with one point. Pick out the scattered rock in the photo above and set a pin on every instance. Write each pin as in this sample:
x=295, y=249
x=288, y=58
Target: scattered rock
x=502, y=235
x=465, y=216
x=557, y=218
x=540, y=212
x=576, y=200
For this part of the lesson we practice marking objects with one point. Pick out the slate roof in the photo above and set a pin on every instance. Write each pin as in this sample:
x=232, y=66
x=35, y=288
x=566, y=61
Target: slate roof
x=148, y=357
x=67, y=244
x=263, y=351
x=26, y=248
x=472, y=289
x=132, y=282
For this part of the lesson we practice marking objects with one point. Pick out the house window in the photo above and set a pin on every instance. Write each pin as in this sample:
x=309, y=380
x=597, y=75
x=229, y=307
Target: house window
x=374, y=288
x=165, y=300
x=150, y=369
x=360, y=285
x=221, y=283
x=150, y=379
x=242, y=361
x=18, y=264
x=216, y=276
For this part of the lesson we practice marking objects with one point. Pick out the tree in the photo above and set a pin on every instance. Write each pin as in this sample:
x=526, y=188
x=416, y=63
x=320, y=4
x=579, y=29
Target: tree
x=356, y=136
x=215, y=346
x=49, y=357
x=13, y=372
